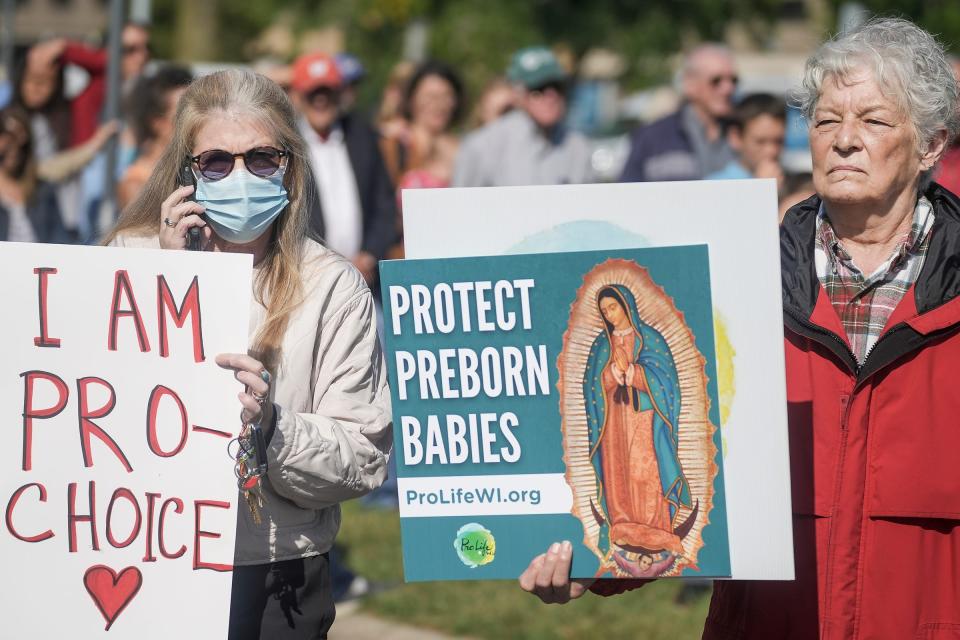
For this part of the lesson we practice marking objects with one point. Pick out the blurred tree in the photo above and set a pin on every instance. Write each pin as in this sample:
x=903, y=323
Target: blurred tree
x=197, y=29
x=478, y=36
x=940, y=17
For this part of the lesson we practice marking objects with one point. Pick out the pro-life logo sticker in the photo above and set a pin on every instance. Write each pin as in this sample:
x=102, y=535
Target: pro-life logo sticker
x=475, y=545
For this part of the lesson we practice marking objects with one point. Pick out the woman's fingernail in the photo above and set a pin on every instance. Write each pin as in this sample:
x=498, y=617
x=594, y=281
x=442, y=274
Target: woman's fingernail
x=567, y=547
x=555, y=547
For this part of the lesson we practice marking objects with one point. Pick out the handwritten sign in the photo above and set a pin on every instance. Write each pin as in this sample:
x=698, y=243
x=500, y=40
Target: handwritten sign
x=117, y=489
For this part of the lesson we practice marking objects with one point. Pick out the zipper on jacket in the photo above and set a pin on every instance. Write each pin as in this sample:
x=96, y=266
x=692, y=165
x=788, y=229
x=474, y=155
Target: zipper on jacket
x=845, y=405
x=894, y=329
x=857, y=367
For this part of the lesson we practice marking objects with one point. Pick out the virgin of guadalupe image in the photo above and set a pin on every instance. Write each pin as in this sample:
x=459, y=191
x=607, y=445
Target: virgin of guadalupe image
x=632, y=397
x=638, y=439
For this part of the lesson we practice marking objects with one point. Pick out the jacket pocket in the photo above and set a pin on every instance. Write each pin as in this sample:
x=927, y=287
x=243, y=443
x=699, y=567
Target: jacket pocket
x=914, y=463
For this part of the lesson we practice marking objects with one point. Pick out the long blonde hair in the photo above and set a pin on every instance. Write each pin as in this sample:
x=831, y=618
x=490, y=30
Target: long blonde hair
x=243, y=92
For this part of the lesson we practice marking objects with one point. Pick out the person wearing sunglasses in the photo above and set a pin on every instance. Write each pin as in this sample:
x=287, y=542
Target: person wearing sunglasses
x=135, y=52
x=690, y=143
x=314, y=378
x=530, y=145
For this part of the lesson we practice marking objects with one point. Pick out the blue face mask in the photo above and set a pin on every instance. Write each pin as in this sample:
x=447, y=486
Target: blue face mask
x=241, y=207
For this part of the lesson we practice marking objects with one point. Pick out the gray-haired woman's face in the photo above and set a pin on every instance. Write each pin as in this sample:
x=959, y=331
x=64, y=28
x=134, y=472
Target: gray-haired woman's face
x=863, y=145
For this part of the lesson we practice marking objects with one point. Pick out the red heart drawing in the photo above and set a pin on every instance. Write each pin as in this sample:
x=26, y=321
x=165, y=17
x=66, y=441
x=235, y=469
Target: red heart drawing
x=112, y=592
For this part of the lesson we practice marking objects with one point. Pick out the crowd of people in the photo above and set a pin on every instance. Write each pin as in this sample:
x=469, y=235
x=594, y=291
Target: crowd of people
x=882, y=103
x=425, y=133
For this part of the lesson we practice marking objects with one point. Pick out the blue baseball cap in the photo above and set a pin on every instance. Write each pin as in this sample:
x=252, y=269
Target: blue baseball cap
x=350, y=67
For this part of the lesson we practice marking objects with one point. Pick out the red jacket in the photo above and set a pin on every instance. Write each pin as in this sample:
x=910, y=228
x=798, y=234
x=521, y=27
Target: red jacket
x=874, y=461
x=85, y=108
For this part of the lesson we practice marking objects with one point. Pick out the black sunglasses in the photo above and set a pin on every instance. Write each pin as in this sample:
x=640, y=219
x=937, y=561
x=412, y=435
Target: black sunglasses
x=216, y=164
x=559, y=87
x=716, y=80
x=130, y=49
x=322, y=97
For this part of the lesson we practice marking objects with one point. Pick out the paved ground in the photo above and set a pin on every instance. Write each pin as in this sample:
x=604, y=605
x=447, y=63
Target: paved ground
x=351, y=624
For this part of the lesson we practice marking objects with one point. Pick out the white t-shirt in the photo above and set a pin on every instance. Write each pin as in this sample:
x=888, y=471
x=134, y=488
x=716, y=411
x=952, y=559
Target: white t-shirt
x=339, y=196
x=19, y=228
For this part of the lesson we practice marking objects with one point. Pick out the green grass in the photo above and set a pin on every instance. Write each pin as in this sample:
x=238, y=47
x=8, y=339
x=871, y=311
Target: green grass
x=499, y=609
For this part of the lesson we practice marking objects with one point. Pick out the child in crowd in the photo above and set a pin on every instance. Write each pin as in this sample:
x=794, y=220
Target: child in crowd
x=756, y=133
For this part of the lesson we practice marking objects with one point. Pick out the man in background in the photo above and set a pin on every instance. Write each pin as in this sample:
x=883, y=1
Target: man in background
x=689, y=144
x=530, y=145
x=356, y=213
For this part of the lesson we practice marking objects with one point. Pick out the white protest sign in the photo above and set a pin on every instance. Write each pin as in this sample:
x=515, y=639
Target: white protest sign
x=738, y=220
x=118, y=492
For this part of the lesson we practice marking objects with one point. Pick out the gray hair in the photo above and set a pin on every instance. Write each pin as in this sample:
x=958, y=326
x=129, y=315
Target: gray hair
x=908, y=63
x=691, y=60
x=690, y=63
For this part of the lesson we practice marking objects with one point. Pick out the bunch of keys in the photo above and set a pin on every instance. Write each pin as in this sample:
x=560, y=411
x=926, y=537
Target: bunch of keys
x=251, y=466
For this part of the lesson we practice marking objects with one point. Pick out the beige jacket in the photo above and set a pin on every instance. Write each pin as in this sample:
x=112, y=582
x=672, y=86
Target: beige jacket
x=334, y=426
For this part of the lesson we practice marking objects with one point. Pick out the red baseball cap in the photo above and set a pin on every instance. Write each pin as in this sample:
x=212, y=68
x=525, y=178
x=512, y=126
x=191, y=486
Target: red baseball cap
x=314, y=70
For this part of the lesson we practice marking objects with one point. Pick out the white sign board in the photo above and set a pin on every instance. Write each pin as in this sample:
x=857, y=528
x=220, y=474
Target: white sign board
x=738, y=220
x=118, y=492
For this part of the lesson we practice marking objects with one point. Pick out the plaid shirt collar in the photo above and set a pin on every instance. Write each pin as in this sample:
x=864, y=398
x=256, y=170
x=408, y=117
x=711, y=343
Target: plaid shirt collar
x=864, y=303
x=836, y=253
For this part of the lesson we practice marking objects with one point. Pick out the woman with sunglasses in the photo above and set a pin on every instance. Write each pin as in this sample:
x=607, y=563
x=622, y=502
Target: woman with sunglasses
x=315, y=378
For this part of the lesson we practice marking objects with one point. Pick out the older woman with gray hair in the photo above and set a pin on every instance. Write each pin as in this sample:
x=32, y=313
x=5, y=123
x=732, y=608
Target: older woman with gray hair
x=872, y=338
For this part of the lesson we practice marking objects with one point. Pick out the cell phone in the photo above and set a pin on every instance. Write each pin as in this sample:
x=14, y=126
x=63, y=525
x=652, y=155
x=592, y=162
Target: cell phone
x=187, y=178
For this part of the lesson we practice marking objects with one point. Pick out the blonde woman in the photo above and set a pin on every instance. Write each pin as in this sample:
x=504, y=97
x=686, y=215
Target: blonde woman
x=315, y=377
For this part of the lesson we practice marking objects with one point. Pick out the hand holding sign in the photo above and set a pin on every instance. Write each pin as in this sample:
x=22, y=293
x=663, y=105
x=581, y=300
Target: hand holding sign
x=548, y=576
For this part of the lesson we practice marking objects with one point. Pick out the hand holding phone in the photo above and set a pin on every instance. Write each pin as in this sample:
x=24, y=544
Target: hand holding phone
x=187, y=179
x=182, y=225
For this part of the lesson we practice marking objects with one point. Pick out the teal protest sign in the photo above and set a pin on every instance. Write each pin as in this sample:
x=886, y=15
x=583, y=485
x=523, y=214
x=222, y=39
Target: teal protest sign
x=549, y=397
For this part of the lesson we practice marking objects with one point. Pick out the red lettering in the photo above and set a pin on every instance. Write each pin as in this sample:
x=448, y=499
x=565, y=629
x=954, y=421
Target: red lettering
x=40, y=537
x=135, y=531
x=178, y=507
x=121, y=285
x=151, y=500
x=190, y=305
x=44, y=339
x=30, y=412
x=199, y=533
x=153, y=406
x=73, y=518
x=88, y=427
